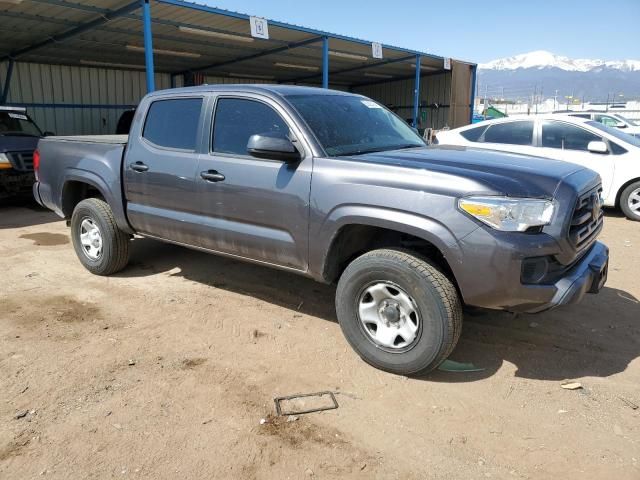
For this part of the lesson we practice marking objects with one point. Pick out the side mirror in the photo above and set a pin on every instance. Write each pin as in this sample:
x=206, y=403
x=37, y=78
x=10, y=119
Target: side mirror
x=272, y=146
x=597, y=147
x=621, y=125
x=49, y=134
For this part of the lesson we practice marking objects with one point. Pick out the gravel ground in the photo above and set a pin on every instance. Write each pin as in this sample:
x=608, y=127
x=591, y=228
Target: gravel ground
x=166, y=370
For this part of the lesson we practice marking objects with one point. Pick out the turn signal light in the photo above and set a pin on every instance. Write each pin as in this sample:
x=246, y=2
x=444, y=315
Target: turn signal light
x=36, y=163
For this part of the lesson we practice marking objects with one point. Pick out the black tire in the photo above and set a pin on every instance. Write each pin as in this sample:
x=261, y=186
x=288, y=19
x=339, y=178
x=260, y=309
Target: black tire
x=115, y=243
x=436, y=298
x=624, y=202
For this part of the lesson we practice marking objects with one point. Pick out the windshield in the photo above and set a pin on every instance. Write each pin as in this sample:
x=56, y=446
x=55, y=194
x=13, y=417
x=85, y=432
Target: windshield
x=17, y=123
x=614, y=132
x=351, y=125
x=626, y=120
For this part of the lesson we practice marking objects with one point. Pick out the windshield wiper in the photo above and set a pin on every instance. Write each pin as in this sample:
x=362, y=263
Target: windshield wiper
x=18, y=134
x=380, y=149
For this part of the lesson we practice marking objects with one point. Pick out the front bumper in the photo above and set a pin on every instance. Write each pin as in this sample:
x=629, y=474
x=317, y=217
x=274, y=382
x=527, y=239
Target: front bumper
x=489, y=273
x=13, y=182
x=588, y=276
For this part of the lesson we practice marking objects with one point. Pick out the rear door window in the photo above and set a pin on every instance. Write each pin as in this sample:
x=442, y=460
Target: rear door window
x=237, y=119
x=567, y=137
x=173, y=123
x=512, y=133
x=474, y=134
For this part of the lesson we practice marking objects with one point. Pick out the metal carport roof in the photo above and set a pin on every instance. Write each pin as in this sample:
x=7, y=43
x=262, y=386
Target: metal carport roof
x=189, y=37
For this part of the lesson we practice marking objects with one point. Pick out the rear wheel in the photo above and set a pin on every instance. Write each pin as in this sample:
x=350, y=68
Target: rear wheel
x=398, y=311
x=630, y=201
x=100, y=245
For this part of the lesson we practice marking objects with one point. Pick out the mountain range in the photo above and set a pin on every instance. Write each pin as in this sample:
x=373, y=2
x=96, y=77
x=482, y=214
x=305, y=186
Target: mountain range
x=543, y=73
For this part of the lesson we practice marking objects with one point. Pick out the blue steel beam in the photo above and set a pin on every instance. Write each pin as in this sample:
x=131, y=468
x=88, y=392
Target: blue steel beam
x=148, y=46
x=325, y=62
x=104, y=18
x=7, y=82
x=402, y=77
x=253, y=56
x=354, y=69
x=416, y=94
x=473, y=92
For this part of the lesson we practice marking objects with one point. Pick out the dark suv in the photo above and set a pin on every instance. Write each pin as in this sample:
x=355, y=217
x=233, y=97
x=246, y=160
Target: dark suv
x=19, y=137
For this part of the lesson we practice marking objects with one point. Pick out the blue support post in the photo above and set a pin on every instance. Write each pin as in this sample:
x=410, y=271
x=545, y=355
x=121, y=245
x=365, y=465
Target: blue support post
x=7, y=82
x=473, y=92
x=148, y=46
x=325, y=62
x=416, y=94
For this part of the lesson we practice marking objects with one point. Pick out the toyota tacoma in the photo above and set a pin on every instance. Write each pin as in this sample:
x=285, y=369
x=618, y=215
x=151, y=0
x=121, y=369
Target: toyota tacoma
x=335, y=187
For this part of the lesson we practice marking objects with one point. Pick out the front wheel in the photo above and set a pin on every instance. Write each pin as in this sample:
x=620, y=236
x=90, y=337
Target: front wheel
x=398, y=311
x=630, y=201
x=100, y=245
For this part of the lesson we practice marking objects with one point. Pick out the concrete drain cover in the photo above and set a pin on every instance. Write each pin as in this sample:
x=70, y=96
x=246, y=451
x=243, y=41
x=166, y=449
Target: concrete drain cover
x=305, y=403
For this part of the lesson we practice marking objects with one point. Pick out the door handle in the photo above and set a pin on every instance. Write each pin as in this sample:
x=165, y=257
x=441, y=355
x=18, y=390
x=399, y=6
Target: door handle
x=139, y=167
x=212, y=176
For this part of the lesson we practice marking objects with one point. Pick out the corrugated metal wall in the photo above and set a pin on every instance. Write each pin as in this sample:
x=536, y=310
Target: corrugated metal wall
x=435, y=98
x=86, y=100
x=76, y=100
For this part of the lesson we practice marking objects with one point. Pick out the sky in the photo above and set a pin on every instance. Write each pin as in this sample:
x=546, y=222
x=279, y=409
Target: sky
x=474, y=30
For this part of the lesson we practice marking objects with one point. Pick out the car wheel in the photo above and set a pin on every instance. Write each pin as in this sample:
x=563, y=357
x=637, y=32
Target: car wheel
x=398, y=311
x=630, y=201
x=100, y=245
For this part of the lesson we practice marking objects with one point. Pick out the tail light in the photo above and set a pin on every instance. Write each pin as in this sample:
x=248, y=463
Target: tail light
x=36, y=163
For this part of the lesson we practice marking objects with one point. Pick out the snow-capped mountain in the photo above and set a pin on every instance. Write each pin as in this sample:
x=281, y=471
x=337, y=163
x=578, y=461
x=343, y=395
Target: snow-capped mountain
x=543, y=59
x=522, y=75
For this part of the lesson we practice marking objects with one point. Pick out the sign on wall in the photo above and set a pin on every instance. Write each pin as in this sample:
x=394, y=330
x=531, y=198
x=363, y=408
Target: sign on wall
x=376, y=49
x=259, y=27
x=447, y=63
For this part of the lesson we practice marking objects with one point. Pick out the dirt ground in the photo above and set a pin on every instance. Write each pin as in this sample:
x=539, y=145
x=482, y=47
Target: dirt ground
x=165, y=371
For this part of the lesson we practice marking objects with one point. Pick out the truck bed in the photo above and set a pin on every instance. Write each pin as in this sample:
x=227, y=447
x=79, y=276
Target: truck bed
x=109, y=139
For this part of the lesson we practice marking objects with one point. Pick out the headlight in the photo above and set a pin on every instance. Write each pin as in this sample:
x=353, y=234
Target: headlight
x=4, y=161
x=508, y=214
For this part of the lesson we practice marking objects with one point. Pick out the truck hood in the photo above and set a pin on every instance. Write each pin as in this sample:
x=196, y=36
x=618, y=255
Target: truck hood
x=17, y=143
x=500, y=173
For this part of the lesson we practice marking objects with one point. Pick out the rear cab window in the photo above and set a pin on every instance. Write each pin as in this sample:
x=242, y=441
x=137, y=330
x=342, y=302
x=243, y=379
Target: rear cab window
x=173, y=123
x=237, y=119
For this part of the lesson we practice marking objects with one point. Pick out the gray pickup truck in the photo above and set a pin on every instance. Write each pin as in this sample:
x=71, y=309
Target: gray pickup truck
x=334, y=186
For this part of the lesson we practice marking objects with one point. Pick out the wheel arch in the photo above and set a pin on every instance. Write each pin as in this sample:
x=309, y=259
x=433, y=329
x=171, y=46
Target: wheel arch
x=355, y=235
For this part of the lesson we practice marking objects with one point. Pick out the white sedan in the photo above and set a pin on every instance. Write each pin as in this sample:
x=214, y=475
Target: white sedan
x=610, y=152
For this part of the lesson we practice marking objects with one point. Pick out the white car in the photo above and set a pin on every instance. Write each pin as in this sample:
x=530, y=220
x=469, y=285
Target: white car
x=610, y=152
x=610, y=119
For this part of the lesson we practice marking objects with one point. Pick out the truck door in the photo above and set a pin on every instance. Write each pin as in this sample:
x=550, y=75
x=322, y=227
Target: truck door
x=160, y=169
x=253, y=208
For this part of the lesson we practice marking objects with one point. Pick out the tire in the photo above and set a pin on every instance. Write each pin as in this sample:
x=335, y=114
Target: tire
x=113, y=254
x=433, y=297
x=631, y=194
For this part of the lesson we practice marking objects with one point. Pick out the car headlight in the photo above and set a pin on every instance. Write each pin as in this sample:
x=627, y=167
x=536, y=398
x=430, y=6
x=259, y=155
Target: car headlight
x=508, y=214
x=4, y=161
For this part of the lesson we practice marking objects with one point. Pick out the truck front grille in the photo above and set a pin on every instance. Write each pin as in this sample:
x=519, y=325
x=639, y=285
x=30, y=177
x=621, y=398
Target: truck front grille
x=22, y=161
x=587, y=219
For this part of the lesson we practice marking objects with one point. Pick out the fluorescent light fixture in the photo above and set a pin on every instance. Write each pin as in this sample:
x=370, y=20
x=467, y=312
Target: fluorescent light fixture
x=160, y=51
x=424, y=67
x=110, y=64
x=12, y=2
x=248, y=75
x=297, y=66
x=378, y=75
x=348, y=55
x=211, y=33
